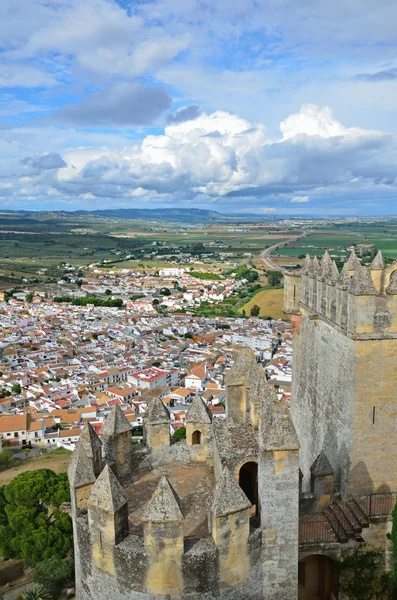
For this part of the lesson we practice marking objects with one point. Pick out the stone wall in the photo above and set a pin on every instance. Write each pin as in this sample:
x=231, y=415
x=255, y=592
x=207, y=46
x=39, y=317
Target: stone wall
x=323, y=396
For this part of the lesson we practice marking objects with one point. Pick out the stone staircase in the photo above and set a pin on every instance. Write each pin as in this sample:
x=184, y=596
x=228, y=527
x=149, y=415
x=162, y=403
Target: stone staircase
x=346, y=518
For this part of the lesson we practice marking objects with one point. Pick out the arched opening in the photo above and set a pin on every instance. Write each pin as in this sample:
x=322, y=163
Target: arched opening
x=318, y=578
x=196, y=438
x=248, y=480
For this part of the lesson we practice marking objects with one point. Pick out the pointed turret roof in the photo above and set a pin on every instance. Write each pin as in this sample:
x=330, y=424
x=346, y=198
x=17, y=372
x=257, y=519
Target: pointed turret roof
x=307, y=264
x=277, y=431
x=344, y=278
x=228, y=496
x=81, y=469
x=116, y=423
x=321, y=466
x=198, y=411
x=158, y=413
x=164, y=505
x=89, y=440
x=378, y=262
x=361, y=283
x=107, y=493
x=352, y=262
x=334, y=273
x=244, y=364
x=316, y=269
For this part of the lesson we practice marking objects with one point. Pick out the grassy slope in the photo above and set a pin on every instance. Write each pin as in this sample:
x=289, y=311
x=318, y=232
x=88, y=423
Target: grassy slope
x=270, y=302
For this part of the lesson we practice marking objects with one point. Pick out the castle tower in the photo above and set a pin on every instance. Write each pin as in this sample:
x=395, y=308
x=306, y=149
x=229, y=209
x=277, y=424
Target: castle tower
x=322, y=475
x=85, y=467
x=107, y=520
x=278, y=490
x=164, y=541
x=344, y=388
x=198, y=428
x=230, y=529
x=117, y=442
x=238, y=381
x=158, y=426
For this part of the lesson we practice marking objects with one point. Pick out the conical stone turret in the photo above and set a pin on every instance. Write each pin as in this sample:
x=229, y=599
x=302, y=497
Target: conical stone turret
x=157, y=426
x=352, y=262
x=378, y=262
x=164, y=541
x=361, y=283
x=107, y=519
x=116, y=436
x=228, y=496
x=85, y=466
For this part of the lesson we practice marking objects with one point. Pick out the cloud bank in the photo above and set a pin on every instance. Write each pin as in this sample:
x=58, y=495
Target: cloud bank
x=222, y=158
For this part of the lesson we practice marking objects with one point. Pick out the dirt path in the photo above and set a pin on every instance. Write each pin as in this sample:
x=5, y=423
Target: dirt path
x=59, y=464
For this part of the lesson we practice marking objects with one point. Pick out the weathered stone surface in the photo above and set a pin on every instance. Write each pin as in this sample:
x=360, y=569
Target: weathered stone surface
x=352, y=262
x=361, y=283
x=107, y=493
x=321, y=466
x=116, y=423
x=378, y=262
x=164, y=504
x=198, y=411
x=158, y=413
x=228, y=496
x=83, y=468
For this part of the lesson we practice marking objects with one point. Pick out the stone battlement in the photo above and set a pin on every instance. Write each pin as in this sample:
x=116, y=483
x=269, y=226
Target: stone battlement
x=360, y=301
x=190, y=521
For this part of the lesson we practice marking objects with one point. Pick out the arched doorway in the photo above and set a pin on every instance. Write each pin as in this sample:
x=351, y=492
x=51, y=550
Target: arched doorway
x=318, y=578
x=248, y=481
x=196, y=438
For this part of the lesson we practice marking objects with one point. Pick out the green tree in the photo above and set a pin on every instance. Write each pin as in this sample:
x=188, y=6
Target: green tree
x=165, y=291
x=33, y=527
x=274, y=278
x=55, y=574
x=16, y=388
x=6, y=457
x=29, y=297
x=36, y=592
x=180, y=434
x=255, y=310
x=108, y=292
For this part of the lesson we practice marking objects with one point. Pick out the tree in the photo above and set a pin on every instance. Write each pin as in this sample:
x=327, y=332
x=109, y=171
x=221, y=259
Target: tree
x=273, y=278
x=36, y=592
x=26, y=451
x=32, y=526
x=165, y=291
x=180, y=434
x=108, y=292
x=255, y=310
x=55, y=574
x=6, y=457
x=29, y=297
x=16, y=388
x=156, y=302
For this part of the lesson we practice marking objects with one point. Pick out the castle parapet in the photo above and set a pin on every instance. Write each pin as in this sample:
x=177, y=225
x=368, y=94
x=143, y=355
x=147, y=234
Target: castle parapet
x=85, y=467
x=359, y=300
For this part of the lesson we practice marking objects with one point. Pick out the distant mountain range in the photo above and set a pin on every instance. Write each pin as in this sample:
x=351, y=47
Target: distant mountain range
x=180, y=215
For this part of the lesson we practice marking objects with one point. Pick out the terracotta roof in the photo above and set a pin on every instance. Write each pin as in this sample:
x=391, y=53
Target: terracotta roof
x=13, y=423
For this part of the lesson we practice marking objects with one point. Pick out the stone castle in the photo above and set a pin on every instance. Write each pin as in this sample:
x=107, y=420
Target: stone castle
x=256, y=505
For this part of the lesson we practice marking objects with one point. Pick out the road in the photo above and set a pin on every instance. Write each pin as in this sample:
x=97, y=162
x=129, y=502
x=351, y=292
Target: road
x=266, y=253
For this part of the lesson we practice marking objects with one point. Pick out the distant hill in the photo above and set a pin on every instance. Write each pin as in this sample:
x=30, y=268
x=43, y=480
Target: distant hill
x=191, y=215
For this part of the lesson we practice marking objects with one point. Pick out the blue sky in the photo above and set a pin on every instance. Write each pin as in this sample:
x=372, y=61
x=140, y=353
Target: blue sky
x=269, y=106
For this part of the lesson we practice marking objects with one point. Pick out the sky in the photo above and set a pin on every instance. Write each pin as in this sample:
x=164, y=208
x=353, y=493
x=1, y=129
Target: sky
x=276, y=107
